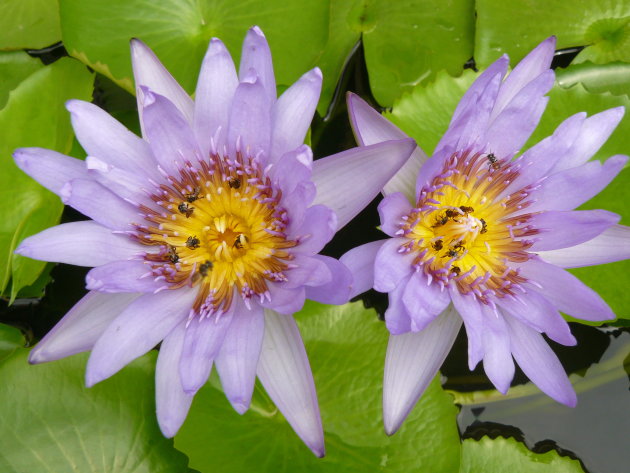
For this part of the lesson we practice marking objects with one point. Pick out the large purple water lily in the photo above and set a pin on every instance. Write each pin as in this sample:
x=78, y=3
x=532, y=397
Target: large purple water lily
x=486, y=236
x=205, y=233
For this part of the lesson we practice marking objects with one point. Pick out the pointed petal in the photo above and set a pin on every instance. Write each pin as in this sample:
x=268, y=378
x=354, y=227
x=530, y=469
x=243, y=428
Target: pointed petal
x=337, y=290
x=594, y=133
x=391, y=210
x=372, y=166
x=284, y=300
x=411, y=363
x=168, y=132
x=213, y=97
x=360, y=262
x=104, y=137
x=309, y=271
x=370, y=127
x=292, y=168
x=171, y=402
x=537, y=312
x=249, y=127
x=284, y=371
x=130, y=186
x=497, y=358
x=292, y=114
x=149, y=72
x=560, y=229
x=101, y=205
x=470, y=309
x=140, y=327
x=81, y=327
x=238, y=358
x=424, y=301
x=83, y=243
x=51, y=169
x=566, y=292
x=539, y=362
x=256, y=55
x=568, y=189
x=611, y=245
x=123, y=276
x=202, y=342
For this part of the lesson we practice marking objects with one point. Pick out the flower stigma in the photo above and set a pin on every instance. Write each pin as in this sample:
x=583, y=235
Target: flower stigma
x=220, y=227
x=463, y=231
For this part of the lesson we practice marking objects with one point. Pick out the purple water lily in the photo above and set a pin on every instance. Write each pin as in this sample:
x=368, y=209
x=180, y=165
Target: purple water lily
x=483, y=237
x=204, y=234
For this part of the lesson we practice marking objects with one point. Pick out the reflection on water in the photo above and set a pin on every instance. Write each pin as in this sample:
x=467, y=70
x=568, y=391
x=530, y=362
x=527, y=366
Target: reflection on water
x=596, y=431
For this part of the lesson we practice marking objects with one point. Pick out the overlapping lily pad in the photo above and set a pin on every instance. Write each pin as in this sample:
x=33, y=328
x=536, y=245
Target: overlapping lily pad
x=503, y=454
x=51, y=422
x=515, y=27
x=14, y=68
x=32, y=24
x=34, y=116
x=346, y=347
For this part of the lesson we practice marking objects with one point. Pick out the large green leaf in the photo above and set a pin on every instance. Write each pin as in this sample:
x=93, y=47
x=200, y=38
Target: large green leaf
x=407, y=42
x=98, y=33
x=503, y=455
x=515, y=27
x=346, y=347
x=51, y=423
x=34, y=116
x=14, y=68
x=613, y=77
x=30, y=24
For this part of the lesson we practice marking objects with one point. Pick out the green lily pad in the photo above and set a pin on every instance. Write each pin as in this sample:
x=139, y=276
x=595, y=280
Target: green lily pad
x=406, y=43
x=51, y=422
x=29, y=24
x=34, y=116
x=10, y=340
x=14, y=68
x=98, y=33
x=597, y=78
x=517, y=26
x=503, y=454
x=346, y=347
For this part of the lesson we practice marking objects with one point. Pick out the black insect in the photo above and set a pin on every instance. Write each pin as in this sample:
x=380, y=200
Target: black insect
x=465, y=209
x=194, y=195
x=234, y=182
x=440, y=221
x=492, y=162
x=455, y=270
x=239, y=241
x=484, y=226
x=437, y=245
x=205, y=267
x=452, y=253
x=450, y=213
x=172, y=255
x=185, y=209
x=193, y=242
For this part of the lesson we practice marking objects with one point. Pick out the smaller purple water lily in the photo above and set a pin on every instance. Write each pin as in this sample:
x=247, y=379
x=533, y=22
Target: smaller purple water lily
x=483, y=237
x=204, y=235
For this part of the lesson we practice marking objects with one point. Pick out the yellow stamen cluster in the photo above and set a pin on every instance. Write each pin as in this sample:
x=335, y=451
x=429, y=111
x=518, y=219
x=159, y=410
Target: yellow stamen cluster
x=461, y=230
x=219, y=226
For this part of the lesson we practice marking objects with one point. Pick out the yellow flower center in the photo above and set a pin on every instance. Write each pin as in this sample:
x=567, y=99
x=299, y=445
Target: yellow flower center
x=462, y=231
x=220, y=227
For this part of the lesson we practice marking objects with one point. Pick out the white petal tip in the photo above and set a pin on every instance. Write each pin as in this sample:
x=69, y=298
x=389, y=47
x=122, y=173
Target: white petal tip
x=66, y=192
x=256, y=30
x=36, y=357
x=390, y=428
x=240, y=407
x=319, y=451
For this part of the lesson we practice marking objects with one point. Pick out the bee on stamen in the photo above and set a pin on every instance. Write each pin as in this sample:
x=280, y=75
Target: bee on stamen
x=185, y=209
x=452, y=253
x=450, y=213
x=455, y=270
x=440, y=221
x=234, y=182
x=484, y=226
x=466, y=210
x=437, y=245
x=172, y=255
x=493, y=162
x=194, y=195
x=193, y=242
x=205, y=267
x=239, y=241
